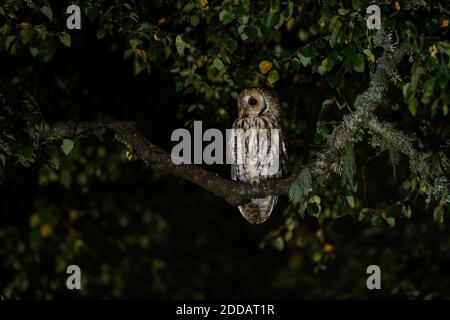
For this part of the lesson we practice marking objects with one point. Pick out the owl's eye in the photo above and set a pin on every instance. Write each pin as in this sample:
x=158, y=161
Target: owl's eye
x=252, y=102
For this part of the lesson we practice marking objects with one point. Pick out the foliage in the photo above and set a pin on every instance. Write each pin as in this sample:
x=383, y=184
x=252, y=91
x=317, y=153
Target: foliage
x=168, y=63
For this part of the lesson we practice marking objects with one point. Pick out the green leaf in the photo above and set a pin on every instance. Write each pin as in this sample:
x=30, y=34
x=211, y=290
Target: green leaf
x=91, y=13
x=278, y=243
x=356, y=4
x=317, y=256
x=271, y=19
x=128, y=53
x=180, y=44
x=228, y=18
x=358, y=62
x=334, y=81
x=438, y=214
x=376, y=221
x=321, y=133
x=34, y=51
x=251, y=32
x=321, y=70
x=407, y=212
x=232, y=45
x=341, y=105
x=213, y=51
x=304, y=60
x=390, y=221
x=428, y=88
x=134, y=43
x=67, y=146
x=325, y=107
x=26, y=155
x=295, y=63
x=195, y=20
x=412, y=106
x=14, y=49
x=218, y=63
x=66, y=178
x=26, y=35
x=406, y=90
x=101, y=32
x=363, y=213
x=47, y=11
x=8, y=41
x=273, y=76
x=65, y=39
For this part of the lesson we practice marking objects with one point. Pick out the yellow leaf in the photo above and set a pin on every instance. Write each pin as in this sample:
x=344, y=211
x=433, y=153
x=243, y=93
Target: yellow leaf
x=397, y=5
x=203, y=3
x=274, y=6
x=314, y=199
x=444, y=23
x=162, y=20
x=155, y=36
x=422, y=188
x=34, y=220
x=433, y=50
x=129, y=155
x=290, y=24
x=201, y=61
x=265, y=66
x=78, y=244
x=73, y=215
x=142, y=53
x=46, y=230
x=372, y=58
x=327, y=248
x=320, y=236
x=101, y=152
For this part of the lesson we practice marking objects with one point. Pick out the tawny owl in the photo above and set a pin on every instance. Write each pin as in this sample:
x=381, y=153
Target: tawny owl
x=257, y=148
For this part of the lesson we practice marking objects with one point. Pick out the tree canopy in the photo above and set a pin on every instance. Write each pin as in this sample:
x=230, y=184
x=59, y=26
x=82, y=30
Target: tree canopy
x=365, y=114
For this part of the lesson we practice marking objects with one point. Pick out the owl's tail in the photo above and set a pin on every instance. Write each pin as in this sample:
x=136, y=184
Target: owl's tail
x=258, y=210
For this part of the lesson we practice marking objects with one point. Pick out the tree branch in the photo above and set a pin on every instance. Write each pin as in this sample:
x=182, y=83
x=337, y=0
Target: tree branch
x=364, y=107
x=234, y=192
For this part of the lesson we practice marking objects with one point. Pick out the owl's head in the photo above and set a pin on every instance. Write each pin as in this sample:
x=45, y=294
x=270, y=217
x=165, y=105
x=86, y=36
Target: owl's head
x=257, y=102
